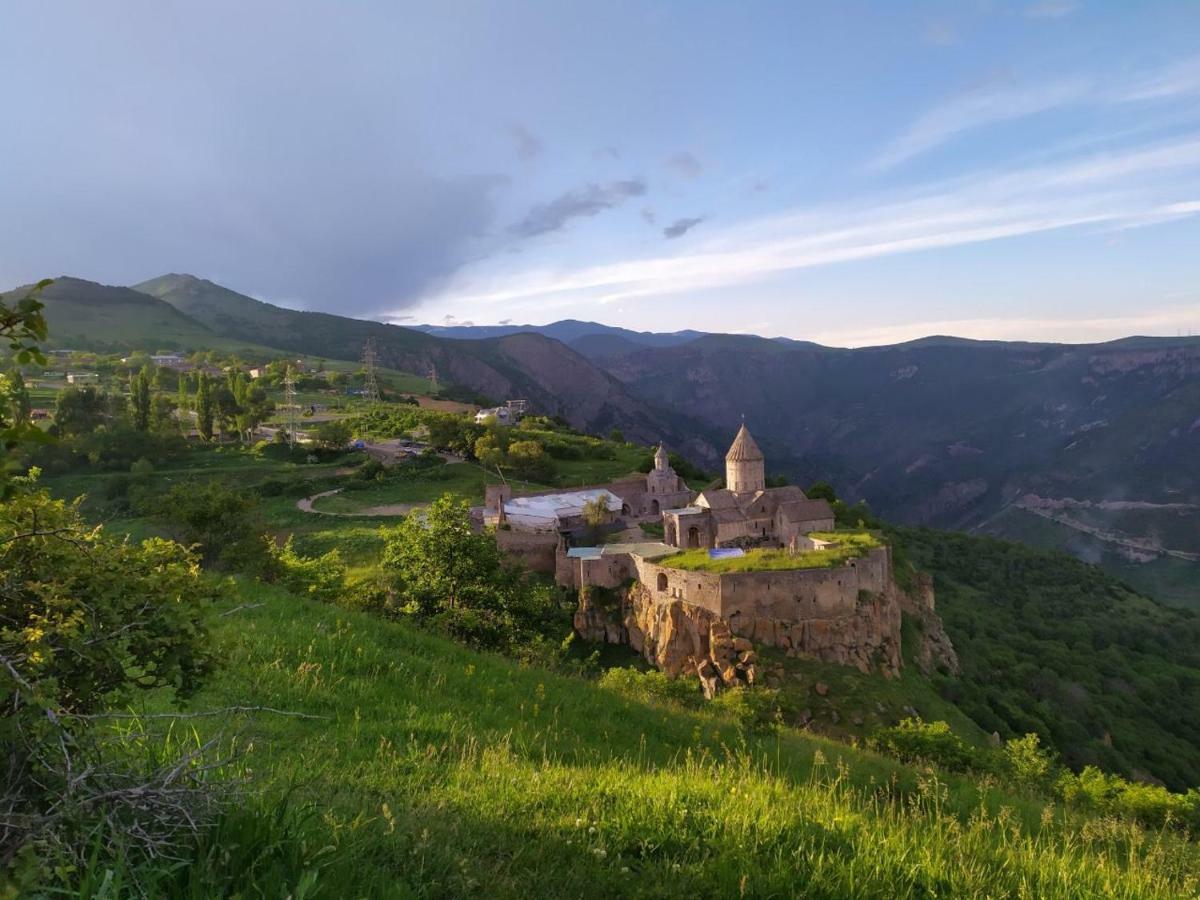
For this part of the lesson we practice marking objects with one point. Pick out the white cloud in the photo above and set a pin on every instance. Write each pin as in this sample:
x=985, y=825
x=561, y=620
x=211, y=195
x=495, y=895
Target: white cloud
x=1181, y=79
x=990, y=105
x=974, y=110
x=1135, y=187
x=1167, y=321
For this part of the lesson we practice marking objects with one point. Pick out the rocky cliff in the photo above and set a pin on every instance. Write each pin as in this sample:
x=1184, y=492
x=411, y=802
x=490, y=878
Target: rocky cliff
x=681, y=638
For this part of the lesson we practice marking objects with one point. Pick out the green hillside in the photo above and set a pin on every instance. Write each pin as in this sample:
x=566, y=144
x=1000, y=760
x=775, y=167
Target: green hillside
x=1055, y=646
x=85, y=315
x=429, y=770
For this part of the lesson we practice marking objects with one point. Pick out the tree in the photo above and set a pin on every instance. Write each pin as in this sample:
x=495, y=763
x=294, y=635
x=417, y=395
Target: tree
x=226, y=404
x=162, y=414
x=334, y=434
x=15, y=394
x=596, y=516
x=183, y=403
x=139, y=396
x=79, y=411
x=488, y=452
x=439, y=562
x=221, y=522
x=205, y=407
x=23, y=325
x=529, y=461
x=253, y=405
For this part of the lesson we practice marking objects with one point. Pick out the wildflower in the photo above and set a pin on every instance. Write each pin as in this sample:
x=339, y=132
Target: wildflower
x=592, y=829
x=600, y=852
x=625, y=870
x=579, y=823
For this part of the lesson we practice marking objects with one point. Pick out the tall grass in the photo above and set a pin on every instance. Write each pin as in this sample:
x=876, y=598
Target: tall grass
x=440, y=772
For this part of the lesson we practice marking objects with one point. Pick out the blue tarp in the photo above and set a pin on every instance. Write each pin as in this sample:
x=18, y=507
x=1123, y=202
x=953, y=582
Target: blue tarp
x=725, y=552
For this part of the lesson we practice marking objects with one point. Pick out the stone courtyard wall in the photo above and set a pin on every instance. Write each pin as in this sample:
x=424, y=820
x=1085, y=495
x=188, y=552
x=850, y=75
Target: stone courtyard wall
x=847, y=614
x=535, y=550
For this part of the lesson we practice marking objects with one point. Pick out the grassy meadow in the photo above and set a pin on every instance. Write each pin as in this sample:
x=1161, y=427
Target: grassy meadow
x=430, y=770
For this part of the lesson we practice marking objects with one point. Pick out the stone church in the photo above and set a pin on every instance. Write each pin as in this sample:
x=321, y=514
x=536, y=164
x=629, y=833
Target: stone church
x=746, y=513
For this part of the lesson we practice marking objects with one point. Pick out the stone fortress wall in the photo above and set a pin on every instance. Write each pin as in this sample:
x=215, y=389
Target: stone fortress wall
x=849, y=614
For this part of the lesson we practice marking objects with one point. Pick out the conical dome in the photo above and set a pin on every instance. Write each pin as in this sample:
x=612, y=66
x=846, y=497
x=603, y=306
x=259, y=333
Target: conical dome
x=743, y=448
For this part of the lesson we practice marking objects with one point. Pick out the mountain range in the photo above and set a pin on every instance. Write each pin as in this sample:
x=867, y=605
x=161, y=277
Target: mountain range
x=1090, y=448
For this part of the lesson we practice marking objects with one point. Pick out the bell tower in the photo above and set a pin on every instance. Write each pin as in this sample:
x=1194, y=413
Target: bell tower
x=745, y=469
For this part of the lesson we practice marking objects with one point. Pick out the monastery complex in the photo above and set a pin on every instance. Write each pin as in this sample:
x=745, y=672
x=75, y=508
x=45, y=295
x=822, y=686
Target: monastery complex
x=704, y=620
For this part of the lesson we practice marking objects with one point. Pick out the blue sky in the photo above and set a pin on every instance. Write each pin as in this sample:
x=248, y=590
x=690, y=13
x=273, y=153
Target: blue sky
x=852, y=173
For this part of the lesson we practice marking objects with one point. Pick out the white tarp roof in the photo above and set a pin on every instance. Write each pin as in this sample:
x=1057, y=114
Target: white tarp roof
x=549, y=508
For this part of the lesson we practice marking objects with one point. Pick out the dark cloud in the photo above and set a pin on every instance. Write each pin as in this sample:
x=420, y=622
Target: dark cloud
x=680, y=227
x=685, y=163
x=506, y=321
x=580, y=203
x=528, y=145
x=609, y=152
x=649, y=216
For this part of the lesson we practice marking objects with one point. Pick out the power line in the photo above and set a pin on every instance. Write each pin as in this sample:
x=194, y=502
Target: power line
x=371, y=386
x=291, y=408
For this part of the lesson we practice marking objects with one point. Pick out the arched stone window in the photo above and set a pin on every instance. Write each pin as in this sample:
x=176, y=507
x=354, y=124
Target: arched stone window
x=655, y=509
x=662, y=581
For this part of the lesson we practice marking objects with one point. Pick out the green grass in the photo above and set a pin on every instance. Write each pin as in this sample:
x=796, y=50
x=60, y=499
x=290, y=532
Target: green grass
x=435, y=771
x=850, y=545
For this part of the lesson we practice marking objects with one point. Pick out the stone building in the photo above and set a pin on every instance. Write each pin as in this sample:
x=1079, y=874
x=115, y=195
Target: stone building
x=746, y=512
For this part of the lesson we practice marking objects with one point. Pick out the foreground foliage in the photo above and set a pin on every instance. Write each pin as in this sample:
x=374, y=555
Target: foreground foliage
x=85, y=621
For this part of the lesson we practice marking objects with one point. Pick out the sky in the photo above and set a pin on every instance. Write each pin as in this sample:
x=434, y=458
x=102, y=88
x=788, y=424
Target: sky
x=849, y=173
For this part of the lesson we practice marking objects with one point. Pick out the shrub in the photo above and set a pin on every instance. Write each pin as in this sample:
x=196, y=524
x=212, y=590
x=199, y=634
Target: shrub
x=223, y=523
x=85, y=621
x=1026, y=761
x=914, y=740
x=1146, y=803
x=322, y=577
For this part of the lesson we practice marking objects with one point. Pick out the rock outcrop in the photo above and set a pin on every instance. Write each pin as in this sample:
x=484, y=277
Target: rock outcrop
x=936, y=650
x=681, y=638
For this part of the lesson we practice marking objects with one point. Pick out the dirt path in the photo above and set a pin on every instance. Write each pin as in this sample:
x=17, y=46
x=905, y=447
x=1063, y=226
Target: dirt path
x=391, y=509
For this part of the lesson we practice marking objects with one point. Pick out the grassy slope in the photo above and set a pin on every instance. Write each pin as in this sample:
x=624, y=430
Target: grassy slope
x=92, y=316
x=440, y=772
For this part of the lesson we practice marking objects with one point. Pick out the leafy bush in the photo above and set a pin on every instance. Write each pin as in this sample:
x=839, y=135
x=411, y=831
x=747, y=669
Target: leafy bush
x=1027, y=762
x=914, y=740
x=222, y=523
x=751, y=708
x=322, y=578
x=1146, y=803
x=85, y=620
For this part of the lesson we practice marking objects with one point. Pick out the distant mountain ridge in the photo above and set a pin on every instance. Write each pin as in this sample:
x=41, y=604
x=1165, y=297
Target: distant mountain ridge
x=1087, y=448
x=593, y=340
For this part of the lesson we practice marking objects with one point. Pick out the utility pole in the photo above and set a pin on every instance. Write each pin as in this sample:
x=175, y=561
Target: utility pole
x=290, y=407
x=371, y=386
x=433, y=389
